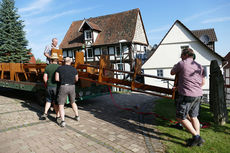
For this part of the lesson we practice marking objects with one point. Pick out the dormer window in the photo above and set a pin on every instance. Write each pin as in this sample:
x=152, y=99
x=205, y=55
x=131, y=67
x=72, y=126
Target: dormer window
x=88, y=35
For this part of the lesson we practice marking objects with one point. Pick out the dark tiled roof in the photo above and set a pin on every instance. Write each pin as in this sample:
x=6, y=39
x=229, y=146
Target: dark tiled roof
x=112, y=28
x=92, y=26
x=209, y=32
x=227, y=58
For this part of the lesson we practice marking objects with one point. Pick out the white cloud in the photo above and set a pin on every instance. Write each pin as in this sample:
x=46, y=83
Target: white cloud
x=160, y=29
x=215, y=20
x=49, y=18
x=36, y=6
x=195, y=16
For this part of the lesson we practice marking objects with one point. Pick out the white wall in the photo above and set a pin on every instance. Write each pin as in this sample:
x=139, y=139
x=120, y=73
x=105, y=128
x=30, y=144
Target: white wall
x=139, y=35
x=95, y=34
x=169, y=51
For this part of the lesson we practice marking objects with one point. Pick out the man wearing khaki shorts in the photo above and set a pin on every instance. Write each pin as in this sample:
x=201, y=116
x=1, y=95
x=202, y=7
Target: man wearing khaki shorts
x=67, y=76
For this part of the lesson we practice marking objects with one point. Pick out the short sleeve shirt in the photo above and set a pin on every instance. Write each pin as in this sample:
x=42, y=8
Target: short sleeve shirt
x=67, y=74
x=190, y=77
x=50, y=71
x=48, y=50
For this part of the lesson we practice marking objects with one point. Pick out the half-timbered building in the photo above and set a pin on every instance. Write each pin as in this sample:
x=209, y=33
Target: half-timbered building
x=122, y=36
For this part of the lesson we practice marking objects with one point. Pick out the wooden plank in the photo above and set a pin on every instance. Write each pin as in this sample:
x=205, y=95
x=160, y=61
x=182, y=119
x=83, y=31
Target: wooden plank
x=152, y=88
x=88, y=75
x=137, y=70
x=104, y=63
x=59, y=53
x=104, y=78
x=5, y=68
x=154, y=94
x=117, y=81
x=105, y=83
x=79, y=58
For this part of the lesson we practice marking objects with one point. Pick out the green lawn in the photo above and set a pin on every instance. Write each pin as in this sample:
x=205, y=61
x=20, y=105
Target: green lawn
x=217, y=138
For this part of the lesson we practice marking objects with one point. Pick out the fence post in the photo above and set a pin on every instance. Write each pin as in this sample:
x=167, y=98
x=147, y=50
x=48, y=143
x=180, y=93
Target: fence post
x=217, y=95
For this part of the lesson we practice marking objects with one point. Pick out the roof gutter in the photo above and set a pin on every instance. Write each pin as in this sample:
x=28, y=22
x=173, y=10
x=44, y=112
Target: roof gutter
x=225, y=64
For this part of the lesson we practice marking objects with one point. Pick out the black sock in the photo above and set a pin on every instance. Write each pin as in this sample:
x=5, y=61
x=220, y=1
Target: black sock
x=196, y=136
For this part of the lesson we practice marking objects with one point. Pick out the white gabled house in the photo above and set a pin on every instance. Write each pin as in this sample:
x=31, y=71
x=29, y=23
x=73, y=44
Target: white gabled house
x=168, y=53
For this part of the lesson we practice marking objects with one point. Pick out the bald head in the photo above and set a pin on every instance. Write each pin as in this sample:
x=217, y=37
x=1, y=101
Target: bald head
x=68, y=60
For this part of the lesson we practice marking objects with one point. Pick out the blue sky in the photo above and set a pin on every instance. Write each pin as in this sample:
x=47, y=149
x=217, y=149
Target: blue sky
x=46, y=19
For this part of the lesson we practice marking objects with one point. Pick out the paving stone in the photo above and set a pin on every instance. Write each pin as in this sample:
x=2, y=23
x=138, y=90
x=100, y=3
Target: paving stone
x=67, y=146
x=103, y=127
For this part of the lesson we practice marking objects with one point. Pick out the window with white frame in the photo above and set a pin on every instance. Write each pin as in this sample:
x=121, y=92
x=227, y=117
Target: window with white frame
x=138, y=47
x=118, y=52
x=64, y=54
x=125, y=49
x=97, y=51
x=111, y=50
x=88, y=35
x=89, y=52
x=142, y=48
x=104, y=51
x=120, y=66
x=160, y=73
x=70, y=53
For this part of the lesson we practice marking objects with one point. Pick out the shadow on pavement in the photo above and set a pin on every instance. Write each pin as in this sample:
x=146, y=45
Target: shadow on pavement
x=104, y=108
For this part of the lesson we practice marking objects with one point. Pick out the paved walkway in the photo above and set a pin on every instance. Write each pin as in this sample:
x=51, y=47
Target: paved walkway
x=103, y=127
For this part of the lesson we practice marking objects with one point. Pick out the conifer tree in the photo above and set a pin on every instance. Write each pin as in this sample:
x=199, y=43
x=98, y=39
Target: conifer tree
x=12, y=37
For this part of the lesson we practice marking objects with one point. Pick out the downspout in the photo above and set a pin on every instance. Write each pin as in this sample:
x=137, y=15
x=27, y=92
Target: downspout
x=223, y=68
x=225, y=64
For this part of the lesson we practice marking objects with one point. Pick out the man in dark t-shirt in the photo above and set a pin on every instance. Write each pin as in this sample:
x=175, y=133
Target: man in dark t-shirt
x=49, y=80
x=67, y=75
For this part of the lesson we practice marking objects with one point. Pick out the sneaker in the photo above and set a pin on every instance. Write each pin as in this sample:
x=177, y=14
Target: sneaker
x=58, y=120
x=44, y=116
x=62, y=124
x=77, y=118
x=195, y=141
x=201, y=142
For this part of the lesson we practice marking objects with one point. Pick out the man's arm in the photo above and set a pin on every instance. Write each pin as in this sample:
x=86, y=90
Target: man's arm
x=46, y=51
x=204, y=73
x=172, y=73
x=47, y=55
x=57, y=77
x=45, y=77
x=76, y=77
x=203, y=82
x=174, y=70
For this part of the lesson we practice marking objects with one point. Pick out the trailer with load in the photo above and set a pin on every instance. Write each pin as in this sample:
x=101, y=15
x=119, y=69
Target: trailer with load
x=94, y=80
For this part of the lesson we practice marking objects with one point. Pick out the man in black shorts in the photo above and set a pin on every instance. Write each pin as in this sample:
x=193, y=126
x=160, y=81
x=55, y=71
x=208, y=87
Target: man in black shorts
x=49, y=80
x=191, y=78
x=67, y=75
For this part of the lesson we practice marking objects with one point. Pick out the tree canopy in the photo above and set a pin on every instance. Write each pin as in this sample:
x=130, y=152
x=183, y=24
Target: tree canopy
x=13, y=44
